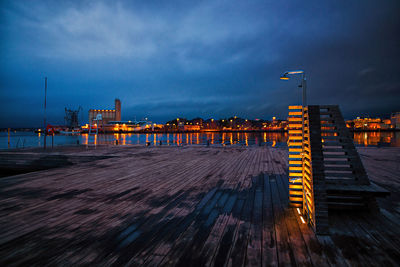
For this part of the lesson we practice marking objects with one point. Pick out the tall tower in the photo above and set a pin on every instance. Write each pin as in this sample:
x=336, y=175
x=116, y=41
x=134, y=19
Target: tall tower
x=117, y=109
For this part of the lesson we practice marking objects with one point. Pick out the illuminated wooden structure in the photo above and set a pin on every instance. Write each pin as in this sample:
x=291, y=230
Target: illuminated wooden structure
x=333, y=176
x=295, y=143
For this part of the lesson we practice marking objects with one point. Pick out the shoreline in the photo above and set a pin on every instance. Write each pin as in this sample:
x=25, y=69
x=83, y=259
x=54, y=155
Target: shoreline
x=200, y=131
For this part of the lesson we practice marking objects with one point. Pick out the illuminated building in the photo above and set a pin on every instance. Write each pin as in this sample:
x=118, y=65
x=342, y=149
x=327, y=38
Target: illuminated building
x=370, y=124
x=125, y=126
x=107, y=114
x=395, y=120
x=191, y=127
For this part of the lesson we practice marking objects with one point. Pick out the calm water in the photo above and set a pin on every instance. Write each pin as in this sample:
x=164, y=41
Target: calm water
x=31, y=139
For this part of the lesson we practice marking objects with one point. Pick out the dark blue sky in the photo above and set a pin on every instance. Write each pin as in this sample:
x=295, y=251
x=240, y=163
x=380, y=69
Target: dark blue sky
x=165, y=59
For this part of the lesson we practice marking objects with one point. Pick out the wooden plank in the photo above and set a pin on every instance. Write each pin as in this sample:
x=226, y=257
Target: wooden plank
x=296, y=240
x=238, y=251
x=295, y=107
x=352, y=248
x=235, y=233
x=158, y=232
x=183, y=229
x=254, y=245
x=207, y=254
x=286, y=255
x=182, y=248
x=375, y=252
x=316, y=252
x=269, y=242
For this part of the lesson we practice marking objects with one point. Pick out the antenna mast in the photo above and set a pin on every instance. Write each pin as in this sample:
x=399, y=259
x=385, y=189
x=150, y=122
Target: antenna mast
x=45, y=94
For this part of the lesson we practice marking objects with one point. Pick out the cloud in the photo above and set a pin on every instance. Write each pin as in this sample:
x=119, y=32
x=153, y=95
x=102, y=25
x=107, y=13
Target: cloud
x=97, y=31
x=198, y=57
x=366, y=71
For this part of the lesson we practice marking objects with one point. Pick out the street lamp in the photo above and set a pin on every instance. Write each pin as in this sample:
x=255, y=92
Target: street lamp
x=303, y=85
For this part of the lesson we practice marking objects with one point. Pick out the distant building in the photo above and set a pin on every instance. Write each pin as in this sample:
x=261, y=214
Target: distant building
x=117, y=109
x=71, y=118
x=107, y=114
x=395, y=119
x=370, y=124
x=191, y=127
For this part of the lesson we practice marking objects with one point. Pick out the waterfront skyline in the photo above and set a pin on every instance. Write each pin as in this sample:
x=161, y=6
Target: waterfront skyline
x=188, y=59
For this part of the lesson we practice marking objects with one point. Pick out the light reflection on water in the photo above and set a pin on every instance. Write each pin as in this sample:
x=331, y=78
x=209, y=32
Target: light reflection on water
x=30, y=139
x=377, y=138
x=178, y=139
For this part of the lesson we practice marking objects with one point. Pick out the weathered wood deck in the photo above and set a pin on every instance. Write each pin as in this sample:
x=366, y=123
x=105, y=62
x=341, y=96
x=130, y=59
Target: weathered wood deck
x=187, y=206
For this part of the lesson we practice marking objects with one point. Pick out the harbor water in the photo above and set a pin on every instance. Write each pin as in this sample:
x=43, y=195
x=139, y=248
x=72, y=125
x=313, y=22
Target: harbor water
x=31, y=139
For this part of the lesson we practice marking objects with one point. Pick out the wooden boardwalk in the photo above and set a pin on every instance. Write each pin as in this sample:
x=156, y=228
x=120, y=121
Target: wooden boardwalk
x=187, y=206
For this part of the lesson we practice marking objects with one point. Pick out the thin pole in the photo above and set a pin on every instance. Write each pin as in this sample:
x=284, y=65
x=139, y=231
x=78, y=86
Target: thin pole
x=303, y=105
x=45, y=95
x=8, y=137
x=304, y=90
x=302, y=148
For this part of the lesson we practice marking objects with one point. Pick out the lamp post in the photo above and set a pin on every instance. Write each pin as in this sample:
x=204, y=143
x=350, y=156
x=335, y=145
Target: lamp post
x=45, y=126
x=303, y=85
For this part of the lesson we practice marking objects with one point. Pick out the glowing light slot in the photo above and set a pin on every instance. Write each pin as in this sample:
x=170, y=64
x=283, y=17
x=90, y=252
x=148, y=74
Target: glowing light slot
x=298, y=211
x=302, y=220
x=295, y=180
